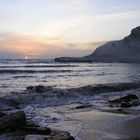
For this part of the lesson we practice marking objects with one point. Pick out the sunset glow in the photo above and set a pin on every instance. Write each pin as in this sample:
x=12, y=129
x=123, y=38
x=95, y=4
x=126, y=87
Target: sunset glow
x=50, y=28
x=26, y=57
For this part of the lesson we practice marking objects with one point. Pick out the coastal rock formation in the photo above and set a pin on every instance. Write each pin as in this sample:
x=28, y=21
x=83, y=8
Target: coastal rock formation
x=83, y=106
x=37, y=89
x=1, y=114
x=14, y=126
x=127, y=98
x=127, y=101
x=12, y=121
x=125, y=50
x=60, y=136
x=36, y=130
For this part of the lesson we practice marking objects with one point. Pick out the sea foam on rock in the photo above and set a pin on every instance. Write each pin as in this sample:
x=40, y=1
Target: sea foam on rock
x=127, y=101
x=14, y=126
x=63, y=136
x=38, y=89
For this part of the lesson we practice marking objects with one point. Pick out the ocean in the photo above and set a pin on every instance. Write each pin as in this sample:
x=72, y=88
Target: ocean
x=71, y=95
x=16, y=75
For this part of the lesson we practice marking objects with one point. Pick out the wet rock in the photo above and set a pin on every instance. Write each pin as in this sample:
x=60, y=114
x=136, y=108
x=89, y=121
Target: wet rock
x=127, y=98
x=61, y=136
x=102, y=88
x=126, y=105
x=12, y=121
x=36, y=130
x=83, y=106
x=72, y=59
x=125, y=102
x=35, y=137
x=120, y=110
x=135, y=103
x=38, y=89
x=59, y=132
x=1, y=114
x=30, y=88
x=130, y=104
x=39, y=133
x=13, y=102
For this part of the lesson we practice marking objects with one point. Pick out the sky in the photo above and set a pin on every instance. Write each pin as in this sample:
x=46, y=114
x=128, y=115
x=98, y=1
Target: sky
x=53, y=28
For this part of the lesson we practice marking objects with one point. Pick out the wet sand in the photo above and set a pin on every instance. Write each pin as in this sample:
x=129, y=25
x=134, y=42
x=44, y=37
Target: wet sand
x=98, y=125
x=89, y=124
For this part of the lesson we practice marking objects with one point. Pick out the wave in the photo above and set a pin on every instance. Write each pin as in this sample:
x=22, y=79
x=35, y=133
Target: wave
x=24, y=76
x=3, y=71
x=89, y=89
x=26, y=61
x=52, y=96
x=38, y=66
x=50, y=66
x=101, y=88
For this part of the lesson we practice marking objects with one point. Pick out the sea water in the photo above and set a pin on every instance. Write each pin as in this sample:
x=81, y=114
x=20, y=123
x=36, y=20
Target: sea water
x=16, y=75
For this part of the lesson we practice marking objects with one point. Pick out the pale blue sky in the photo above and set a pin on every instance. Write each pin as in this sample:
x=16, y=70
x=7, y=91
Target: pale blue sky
x=65, y=21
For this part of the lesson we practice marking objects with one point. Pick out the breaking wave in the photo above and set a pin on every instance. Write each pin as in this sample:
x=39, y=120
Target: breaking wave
x=38, y=66
x=31, y=71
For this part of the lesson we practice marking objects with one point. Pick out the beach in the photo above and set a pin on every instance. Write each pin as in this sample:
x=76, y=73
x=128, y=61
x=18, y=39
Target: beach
x=77, y=101
x=69, y=70
x=106, y=126
x=92, y=124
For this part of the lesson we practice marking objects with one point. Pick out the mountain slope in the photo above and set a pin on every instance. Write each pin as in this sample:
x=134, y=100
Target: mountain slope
x=125, y=50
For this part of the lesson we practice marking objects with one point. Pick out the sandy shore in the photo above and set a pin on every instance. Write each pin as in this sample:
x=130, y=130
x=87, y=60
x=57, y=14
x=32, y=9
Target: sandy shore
x=91, y=124
x=98, y=125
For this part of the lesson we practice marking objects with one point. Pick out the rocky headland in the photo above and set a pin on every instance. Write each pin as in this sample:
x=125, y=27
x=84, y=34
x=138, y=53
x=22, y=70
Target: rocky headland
x=126, y=50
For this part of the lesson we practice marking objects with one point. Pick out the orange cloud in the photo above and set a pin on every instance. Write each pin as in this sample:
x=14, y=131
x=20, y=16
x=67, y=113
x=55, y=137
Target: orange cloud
x=32, y=47
x=24, y=45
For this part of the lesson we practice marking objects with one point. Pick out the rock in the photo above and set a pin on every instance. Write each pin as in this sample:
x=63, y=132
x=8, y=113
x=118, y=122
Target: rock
x=126, y=101
x=135, y=33
x=126, y=98
x=113, y=51
x=1, y=114
x=30, y=88
x=35, y=137
x=13, y=102
x=12, y=121
x=38, y=89
x=56, y=135
x=126, y=105
x=135, y=103
x=36, y=130
x=62, y=135
x=83, y=106
x=130, y=104
x=72, y=59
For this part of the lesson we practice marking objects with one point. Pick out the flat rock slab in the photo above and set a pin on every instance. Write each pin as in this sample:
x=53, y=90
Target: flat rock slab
x=59, y=136
x=12, y=121
x=35, y=130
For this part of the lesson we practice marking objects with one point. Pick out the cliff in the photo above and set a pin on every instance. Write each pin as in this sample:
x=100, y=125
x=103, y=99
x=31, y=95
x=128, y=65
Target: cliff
x=125, y=50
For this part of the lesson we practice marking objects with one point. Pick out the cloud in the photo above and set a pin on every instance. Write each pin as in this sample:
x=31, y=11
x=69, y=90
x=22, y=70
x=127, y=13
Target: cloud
x=11, y=55
x=74, y=22
x=78, y=5
x=19, y=46
x=87, y=28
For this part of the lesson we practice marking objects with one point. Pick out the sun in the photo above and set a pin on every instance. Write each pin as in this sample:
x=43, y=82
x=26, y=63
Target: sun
x=26, y=57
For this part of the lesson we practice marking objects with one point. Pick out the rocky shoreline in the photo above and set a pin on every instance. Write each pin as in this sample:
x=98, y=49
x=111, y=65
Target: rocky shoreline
x=15, y=121
x=126, y=50
x=14, y=126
